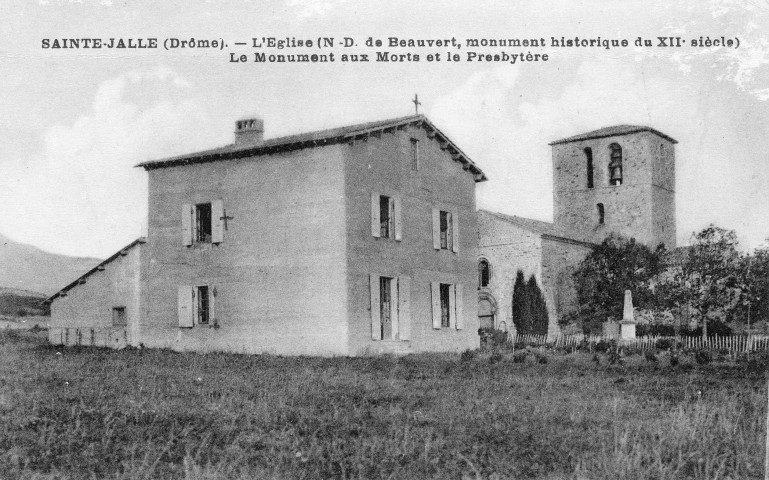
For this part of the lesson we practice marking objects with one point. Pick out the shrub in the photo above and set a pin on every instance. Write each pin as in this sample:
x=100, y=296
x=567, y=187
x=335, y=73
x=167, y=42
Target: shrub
x=674, y=359
x=703, y=357
x=604, y=346
x=664, y=344
x=495, y=357
x=651, y=356
x=468, y=355
x=519, y=357
x=614, y=356
x=493, y=338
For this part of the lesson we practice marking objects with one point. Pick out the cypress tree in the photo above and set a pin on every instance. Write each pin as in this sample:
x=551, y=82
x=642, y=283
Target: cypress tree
x=521, y=304
x=539, y=318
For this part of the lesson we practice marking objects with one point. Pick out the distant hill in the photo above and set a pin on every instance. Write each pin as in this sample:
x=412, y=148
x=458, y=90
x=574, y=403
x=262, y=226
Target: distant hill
x=25, y=267
x=15, y=302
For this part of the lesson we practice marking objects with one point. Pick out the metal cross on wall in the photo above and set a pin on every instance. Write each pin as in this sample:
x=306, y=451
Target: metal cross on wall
x=416, y=103
x=225, y=218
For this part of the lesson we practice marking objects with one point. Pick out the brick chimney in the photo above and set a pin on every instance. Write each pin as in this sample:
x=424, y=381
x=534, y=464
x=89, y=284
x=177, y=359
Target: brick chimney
x=249, y=131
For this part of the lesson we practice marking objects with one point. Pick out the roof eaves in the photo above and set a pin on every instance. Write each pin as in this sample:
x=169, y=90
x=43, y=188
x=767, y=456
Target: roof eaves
x=97, y=268
x=558, y=238
x=589, y=136
x=323, y=137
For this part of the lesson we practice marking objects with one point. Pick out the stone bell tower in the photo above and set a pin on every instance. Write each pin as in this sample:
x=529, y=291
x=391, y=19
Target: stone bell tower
x=616, y=179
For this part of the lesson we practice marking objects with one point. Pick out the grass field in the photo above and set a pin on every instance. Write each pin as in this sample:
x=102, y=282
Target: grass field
x=132, y=414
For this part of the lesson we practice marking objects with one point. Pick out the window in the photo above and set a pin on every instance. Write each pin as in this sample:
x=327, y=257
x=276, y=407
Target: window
x=414, y=154
x=202, y=311
x=615, y=164
x=390, y=307
x=204, y=223
x=445, y=230
x=589, y=158
x=447, y=306
x=484, y=273
x=118, y=316
x=386, y=214
x=600, y=213
x=196, y=305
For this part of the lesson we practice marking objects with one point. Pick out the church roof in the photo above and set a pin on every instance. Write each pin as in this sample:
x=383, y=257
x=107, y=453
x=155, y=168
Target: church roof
x=546, y=229
x=537, y=226
x=98, y=268
x=613, y=132
x=320, y=138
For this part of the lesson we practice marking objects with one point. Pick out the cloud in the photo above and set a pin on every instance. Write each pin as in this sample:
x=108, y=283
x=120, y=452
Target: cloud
x=313, y=8
x=82, y=195
x=747, y=67
x=504, y=121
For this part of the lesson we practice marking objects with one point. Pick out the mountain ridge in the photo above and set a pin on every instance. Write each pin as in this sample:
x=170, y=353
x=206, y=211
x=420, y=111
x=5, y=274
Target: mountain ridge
x=26, y=267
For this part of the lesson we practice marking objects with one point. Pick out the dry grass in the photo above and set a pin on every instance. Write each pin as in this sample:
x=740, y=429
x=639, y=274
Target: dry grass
x=92, y=413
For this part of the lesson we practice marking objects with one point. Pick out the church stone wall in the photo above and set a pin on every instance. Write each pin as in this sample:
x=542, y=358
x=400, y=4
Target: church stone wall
x=508, y=248
x=642, y=207
x=560, y=258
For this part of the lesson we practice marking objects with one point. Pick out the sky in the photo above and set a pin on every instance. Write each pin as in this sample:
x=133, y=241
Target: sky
x=75, y=122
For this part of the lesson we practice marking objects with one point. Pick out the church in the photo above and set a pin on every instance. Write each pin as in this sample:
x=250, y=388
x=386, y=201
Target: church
x=356, y=240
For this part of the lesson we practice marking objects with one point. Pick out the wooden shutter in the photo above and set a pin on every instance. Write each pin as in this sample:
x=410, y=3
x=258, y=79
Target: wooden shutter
x=404, y=307
x=458, y=303
x=187, y=214
x=211, y=298
x=186, y=301
x=217, y=224
x=397, y=214
x=455, y=230
x=375, y=225
x=394, y=306
x=436, y=229
x=376, y=320
x=436, y=300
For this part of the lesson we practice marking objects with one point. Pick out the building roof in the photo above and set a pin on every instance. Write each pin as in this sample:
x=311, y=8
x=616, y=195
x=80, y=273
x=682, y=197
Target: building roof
x=81, y=279
x=613, y=132
x=537, y=226
x=319, y=138
x=546, y=229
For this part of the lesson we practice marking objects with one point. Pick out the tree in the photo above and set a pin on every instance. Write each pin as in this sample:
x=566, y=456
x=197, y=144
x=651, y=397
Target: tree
x=616, y=265
x=521, y=304
x=755, y=304
x=529, y=306
x=538, y=309
x=710, y=277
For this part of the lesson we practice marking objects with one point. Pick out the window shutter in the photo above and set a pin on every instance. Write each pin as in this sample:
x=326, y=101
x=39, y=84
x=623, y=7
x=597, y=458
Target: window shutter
x=436, y=229
x=404, y=307
x=455, y=230
x=185, y=306
x=398, y=222
x=211, y=300
x=187, y=224
x=375, y=226
x=458, y=302
x=376, y=321
x=394, y=307
x=436, y=299
x=217, y=224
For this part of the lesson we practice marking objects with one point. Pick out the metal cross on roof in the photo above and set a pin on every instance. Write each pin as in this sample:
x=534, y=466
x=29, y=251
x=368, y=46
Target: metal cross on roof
x=416, y=103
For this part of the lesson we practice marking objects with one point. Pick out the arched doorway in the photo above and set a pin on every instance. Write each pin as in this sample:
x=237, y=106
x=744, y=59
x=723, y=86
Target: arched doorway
x=487, y=309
